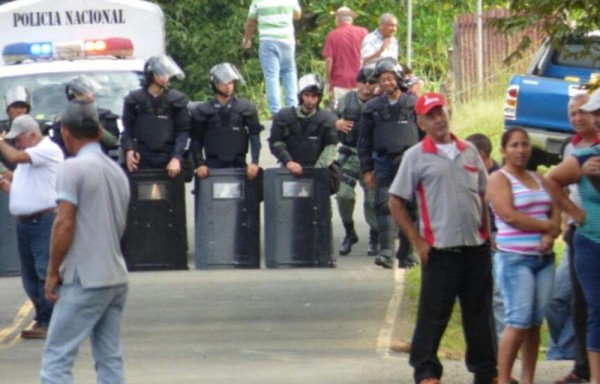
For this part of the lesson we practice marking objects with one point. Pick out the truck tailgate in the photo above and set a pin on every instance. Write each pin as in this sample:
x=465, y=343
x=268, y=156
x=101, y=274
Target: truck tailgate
x=542, y=103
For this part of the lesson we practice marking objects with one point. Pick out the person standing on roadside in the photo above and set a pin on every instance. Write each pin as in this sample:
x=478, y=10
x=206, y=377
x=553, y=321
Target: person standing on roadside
x=87, y=277
x=583, y=168
x=32, y=200
x=277, y=49
x=528, y=221
x=567, y=311
x=448, y=178
x=342, y=54
x=381, y=42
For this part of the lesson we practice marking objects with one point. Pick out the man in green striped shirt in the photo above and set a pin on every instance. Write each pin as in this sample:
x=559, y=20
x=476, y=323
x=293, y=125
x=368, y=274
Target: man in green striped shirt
x=277, y=49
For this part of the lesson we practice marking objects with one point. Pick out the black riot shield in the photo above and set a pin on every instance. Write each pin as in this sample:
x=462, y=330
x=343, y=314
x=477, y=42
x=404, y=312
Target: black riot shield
x=298, y=230
x=10, y=264
x=227, y=224
x=155, y=237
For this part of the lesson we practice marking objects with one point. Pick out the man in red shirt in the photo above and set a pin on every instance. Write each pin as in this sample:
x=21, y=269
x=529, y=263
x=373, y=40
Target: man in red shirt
x=342, y=53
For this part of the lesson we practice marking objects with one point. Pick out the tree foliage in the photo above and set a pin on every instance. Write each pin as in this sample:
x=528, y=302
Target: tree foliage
x=559, y=20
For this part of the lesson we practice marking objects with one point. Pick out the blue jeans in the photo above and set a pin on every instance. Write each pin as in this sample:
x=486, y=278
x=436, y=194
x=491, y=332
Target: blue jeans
x=79, y=313
x=526, y=285
x=278, y=61
x=559, y=315
x=34, y=249
x=588, y=269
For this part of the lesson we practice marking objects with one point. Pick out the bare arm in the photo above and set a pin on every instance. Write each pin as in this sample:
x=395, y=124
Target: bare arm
x=248, y=32
x=13, y=155
x=328, y=68
x=566, y=173
x=297, y=14
x=63, y=232
x=400, y=214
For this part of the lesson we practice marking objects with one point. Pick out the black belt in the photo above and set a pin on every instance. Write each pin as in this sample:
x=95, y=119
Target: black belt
x=35, y=216
x=459, y=249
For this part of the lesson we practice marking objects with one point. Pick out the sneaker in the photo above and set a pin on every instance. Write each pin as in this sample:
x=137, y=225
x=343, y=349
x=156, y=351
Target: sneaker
x=37, y=332
x=571, y=378
x=384, y=261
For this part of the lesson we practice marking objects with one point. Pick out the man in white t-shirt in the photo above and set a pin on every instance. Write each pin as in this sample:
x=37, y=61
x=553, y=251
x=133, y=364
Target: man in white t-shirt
x=32, y=190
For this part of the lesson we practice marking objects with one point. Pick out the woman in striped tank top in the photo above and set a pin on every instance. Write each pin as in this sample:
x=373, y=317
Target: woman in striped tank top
x=527, y=222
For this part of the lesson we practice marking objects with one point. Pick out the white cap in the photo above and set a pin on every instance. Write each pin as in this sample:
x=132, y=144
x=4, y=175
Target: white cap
x=22, y=124
x=593, y=103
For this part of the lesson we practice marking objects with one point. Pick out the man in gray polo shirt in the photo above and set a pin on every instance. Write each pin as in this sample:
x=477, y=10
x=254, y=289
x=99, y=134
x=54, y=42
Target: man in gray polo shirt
x=449, y=180
x=87, y=277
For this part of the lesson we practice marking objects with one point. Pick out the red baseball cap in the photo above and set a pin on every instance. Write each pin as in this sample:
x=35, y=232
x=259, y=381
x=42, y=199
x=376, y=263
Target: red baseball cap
x=429, y=101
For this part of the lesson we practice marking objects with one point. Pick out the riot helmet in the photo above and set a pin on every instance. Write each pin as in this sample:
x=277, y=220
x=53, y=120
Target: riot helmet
x=81, y=86
x=161, y=65
x=222, y=74
x=389, y=64
x=17, y=96
x=310, y=83
x=365, y=74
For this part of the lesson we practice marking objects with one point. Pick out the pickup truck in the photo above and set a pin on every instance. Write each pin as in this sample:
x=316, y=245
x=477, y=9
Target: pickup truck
x=537, y=100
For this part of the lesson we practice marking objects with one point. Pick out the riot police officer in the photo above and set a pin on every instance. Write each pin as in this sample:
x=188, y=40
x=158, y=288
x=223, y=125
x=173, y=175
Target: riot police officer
x=304, y=135
x=223, y=126
x=388, y=129
x=83, y=89
x=156, y=120
x=17, y=101
x=348, y=110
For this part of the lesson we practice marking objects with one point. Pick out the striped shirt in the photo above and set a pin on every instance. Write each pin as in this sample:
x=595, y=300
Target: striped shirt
x=590, y=197
x=534, y=203
x=275, y=19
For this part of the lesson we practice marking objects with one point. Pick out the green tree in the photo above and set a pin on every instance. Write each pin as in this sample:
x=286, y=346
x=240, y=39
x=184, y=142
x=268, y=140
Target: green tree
x=559, y=20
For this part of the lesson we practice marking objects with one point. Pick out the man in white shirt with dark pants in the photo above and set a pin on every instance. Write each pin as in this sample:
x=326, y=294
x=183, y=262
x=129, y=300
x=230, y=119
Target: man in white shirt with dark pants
x=32, y=189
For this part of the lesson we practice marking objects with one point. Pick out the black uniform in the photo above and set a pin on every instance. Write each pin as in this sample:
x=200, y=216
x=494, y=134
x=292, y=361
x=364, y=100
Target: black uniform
x=387, y=131
x=156, y=127
x=108, y=121
x=301, y=139
x=220, y=133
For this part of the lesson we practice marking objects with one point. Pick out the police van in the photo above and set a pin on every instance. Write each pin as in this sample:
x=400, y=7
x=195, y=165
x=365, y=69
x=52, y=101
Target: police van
x=45, y=43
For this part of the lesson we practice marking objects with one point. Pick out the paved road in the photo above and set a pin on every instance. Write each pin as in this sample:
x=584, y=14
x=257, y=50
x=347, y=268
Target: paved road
x=308, y=326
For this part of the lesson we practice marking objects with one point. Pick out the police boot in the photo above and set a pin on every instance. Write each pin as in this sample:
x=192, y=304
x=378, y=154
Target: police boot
x=350, y=239
x=373, y=248
x=385, y=259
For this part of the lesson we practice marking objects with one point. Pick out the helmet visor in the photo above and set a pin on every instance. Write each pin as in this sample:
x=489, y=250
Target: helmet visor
x=310, y=82
x=166, y=66
x=17, y=94
x=84, y=85
x=226, y=73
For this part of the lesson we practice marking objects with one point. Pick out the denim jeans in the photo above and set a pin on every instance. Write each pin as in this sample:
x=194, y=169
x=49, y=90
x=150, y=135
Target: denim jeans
x=277, y=60
x=79, y=313
x=526, y=285
x=34, y=247
x=588, y=269
x=559, y=315
x=466, y=275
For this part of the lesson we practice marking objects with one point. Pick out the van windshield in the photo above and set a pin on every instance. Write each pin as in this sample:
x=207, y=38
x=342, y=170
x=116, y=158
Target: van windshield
x=49, y=97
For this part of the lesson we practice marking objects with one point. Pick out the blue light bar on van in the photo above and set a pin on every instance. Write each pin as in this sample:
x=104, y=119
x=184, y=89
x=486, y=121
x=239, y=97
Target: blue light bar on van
x=114, y=46
x=26, y=51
